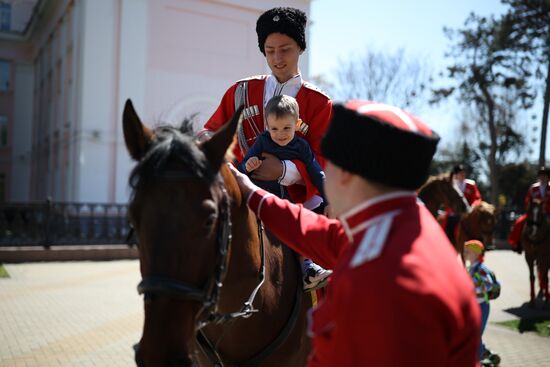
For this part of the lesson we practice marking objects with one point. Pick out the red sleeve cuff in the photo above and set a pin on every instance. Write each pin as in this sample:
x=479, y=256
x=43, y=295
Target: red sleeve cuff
x=256, y=199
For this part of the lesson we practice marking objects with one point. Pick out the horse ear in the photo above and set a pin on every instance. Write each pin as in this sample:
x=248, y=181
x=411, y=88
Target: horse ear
x=136, y=135
x=216, y=147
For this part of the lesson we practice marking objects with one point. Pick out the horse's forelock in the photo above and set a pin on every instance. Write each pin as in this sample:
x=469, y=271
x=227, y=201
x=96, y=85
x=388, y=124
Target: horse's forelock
x=171, y=144
x=445, y=176
x=486, y=207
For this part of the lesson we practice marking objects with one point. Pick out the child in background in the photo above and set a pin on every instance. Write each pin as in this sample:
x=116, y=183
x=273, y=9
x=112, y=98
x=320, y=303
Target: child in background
x=486, y=287
x=282, y=117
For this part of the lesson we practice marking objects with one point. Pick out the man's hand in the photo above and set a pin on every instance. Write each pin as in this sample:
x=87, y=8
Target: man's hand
x=203, y=136
x=252, y=163
x=270, y=170
x=246, y=186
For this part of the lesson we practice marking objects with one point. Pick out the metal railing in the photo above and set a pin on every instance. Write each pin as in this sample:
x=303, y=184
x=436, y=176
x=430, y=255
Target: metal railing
x=63, y=223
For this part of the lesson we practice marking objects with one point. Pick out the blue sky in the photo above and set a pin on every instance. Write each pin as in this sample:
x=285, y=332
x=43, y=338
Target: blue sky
x=341, y=27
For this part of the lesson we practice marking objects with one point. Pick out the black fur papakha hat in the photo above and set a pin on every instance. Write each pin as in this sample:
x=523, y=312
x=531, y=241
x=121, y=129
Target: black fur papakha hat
x=289, y=21
x=458, y=168
x=543, y=171
x=380, y=143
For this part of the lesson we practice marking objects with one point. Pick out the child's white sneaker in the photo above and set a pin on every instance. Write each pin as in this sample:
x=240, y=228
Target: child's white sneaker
x=315, y=277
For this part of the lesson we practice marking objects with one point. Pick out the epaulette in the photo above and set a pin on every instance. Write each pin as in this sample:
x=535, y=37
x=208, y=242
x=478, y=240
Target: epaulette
x=536, y=184
x=471, y=182
x=373, y=242
x=255, y=77
x=315, y=88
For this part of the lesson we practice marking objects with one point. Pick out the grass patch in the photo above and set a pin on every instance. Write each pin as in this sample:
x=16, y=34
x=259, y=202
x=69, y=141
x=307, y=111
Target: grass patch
x=3, y=272
x=540, y=325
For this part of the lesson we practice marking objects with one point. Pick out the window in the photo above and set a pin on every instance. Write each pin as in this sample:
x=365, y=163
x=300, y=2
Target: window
x=5, y=17
x=3, y=131
x=2, y=187
x=5, y=75
x=58, y=77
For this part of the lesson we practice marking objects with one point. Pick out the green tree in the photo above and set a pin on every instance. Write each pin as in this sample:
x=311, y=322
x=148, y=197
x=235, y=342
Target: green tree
x=524, y=33
x=485, y=85
x=514, y=181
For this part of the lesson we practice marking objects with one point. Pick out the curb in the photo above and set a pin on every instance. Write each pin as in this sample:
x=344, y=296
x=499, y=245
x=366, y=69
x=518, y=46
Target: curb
x=13, y=255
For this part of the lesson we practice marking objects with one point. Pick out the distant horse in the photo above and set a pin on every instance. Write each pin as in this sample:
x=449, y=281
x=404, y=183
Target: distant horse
x=195, y=234
x=439, y=191
x=536, y=243
x=477, y=224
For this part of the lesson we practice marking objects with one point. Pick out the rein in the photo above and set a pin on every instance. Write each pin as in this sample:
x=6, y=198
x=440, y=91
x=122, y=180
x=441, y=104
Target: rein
x=212, y=353
x=539, y=225
x=248, y=307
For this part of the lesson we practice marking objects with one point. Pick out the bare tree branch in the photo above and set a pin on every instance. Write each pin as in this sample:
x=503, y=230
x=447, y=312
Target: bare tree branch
x=383, y=76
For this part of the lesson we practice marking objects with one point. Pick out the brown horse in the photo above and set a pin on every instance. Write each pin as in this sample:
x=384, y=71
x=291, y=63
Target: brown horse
x=478, y=224
x=196, y=234
x=439, y=191
x=536, y=243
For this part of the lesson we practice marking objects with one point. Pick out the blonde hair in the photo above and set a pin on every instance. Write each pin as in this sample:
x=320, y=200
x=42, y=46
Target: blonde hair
x=474, y=246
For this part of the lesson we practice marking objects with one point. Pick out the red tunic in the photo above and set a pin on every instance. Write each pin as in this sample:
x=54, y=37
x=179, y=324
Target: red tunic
x=534, y=192
x=315, y=111
x=471, y=192
x=398, y=295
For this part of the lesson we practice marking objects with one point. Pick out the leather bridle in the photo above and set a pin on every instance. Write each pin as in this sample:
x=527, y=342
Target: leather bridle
x=537, y=224
x=208, y=295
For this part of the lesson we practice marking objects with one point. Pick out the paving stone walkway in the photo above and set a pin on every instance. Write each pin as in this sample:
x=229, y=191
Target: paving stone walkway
x=70, y=314
x=516, y=350
x=89, y=314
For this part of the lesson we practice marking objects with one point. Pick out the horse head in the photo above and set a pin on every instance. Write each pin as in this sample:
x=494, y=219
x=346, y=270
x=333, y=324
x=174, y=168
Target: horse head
x=180, y=210
x=440, y=190
x=482, y=222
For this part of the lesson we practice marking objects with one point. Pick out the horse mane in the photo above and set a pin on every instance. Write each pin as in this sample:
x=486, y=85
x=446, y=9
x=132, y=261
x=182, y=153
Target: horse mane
x=171, y=145
x=484, y=206
x=444, y=176
x=428, y=185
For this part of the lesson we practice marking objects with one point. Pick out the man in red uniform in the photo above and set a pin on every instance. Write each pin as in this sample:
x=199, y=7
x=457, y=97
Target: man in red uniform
x=281, y=39
x=540, y=190
x=467, y=186
x=471, y=194
x=398, y=295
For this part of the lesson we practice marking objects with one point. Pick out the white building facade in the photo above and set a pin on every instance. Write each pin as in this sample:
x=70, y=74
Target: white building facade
x=72, y=69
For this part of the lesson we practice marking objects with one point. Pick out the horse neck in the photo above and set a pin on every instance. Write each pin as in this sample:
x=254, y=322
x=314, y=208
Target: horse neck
x=432, y=202
x=245, y=260
x=245, y=251
x=275, y=298
x=541, y=234
x=468, y=222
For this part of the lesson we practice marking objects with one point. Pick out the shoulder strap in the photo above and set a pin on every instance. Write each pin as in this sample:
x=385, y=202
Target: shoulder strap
x=241, y=93
x=313, y=87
